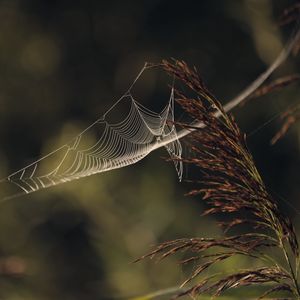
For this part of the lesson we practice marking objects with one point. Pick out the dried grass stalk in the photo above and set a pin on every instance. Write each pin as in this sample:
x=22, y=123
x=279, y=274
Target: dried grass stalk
x=230, y=184
x=289, y=117
x=275, y=85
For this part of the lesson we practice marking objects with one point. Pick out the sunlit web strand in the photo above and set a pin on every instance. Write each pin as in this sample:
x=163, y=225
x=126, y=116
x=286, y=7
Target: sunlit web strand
x=118, y=145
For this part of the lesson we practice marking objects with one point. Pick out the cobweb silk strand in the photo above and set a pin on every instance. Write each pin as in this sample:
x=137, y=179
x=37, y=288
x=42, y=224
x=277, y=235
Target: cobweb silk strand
x=119, y=144
x=123, y=143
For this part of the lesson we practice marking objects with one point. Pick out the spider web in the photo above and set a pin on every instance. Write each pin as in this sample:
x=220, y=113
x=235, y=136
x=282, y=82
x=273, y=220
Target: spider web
x=126, y=142
x=118, y=144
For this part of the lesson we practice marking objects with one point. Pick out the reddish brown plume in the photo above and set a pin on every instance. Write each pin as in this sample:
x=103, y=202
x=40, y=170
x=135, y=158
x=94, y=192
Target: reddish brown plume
x=229, y=183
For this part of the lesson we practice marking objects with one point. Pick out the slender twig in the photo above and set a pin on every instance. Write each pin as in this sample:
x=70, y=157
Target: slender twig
x=242, y=96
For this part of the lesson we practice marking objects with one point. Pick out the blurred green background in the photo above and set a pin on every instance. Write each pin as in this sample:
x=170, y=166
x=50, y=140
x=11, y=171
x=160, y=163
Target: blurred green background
x=62, y=65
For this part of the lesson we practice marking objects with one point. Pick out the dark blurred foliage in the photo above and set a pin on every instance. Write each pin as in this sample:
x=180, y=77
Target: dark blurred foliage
x=62, y=65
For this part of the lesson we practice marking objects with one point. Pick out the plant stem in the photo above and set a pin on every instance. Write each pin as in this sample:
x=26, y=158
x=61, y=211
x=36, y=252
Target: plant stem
x=290, y=267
